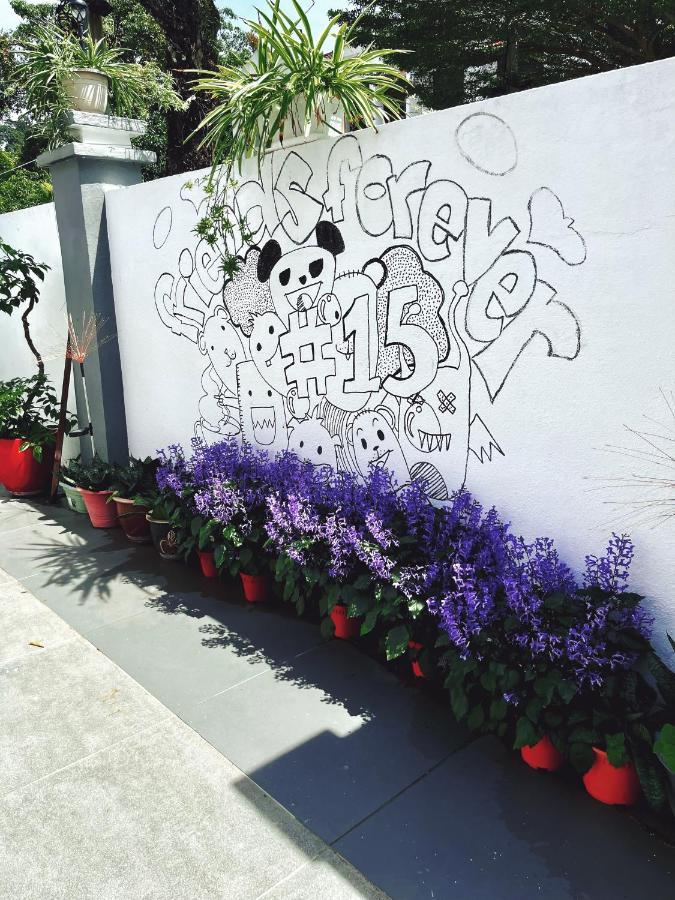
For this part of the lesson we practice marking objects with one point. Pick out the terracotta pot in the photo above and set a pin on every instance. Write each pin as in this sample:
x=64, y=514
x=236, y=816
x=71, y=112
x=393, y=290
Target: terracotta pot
x=101, y=513
x=87, y=90
x=256, y=587
x=346, y=628
x=207, y=561
x=133, y=520
x=416, y=647
x=21, y=473
x=612, y=784
x=73, y=498
x=543, y=755
x=163, y=537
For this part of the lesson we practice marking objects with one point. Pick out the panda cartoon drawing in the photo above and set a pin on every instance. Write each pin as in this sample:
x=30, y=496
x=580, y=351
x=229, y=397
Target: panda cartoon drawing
x=299, y=278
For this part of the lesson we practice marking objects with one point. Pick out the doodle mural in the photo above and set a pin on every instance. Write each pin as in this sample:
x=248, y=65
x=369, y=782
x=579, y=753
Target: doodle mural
x=378, y=311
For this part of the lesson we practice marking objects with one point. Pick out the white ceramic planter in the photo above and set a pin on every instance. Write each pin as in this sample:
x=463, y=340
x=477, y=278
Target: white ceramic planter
x=294, y=132
x=87, y=90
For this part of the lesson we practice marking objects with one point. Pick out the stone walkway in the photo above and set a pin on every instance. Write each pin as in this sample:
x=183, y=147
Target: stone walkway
x=217, y=750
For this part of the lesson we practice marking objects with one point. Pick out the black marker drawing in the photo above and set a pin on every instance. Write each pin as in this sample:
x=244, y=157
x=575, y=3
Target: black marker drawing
x=550, y=227
x=358, y=351
x=487, y=143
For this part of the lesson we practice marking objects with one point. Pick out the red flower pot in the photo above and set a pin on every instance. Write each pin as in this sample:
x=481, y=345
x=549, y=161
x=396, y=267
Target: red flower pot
x=101, y=513
x=256, y=587
x=207, y=562
x=543, y=755
x=20, y=472
x=133, y=521
x=612, y=784
x=415, y=646
x=345, y=627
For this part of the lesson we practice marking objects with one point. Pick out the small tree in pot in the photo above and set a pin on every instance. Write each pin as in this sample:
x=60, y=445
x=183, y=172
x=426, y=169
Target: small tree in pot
x=29, y=409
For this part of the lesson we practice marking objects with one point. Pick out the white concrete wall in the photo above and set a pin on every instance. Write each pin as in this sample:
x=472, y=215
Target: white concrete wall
x=34, y=231
x=525, y=324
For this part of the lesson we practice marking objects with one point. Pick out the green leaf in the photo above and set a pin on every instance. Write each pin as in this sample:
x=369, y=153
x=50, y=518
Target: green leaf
x=396, y=642
x=567, y=690
x=617, y=752
x=652, y=782
x=544, y=687
x=581, y=756
x=327, y=628
x=526, y=736
x=476, y=718
x=369, y=621
x=664, y=747
x=498, y=709
x=489, y=681
x=458, y=702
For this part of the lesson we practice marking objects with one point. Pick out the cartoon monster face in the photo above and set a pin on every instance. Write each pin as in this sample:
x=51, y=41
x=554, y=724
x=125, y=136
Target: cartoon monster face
x=311, y=440
x=220, y=341
x=265, y=351
x=261, y=409
x=376, y=445
x=299, y=278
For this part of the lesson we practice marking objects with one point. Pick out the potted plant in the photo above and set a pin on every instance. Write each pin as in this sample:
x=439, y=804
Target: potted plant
x=163, y=531
x=29, y=409
x=290, y=91
x=59, y=72
x=201, y=538
x=74, y=498
x=94, y=481
x=132, y=487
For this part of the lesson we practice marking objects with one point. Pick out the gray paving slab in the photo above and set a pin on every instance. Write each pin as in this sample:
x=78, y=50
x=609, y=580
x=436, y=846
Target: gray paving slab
x=328, y=877
x=58, y=706
x=163, y=647
x=332, y=735
x=27, y=626
x=483, y=826
x=159, y=815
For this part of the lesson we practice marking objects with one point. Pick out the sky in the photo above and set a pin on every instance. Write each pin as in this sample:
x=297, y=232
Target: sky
x=318, y=16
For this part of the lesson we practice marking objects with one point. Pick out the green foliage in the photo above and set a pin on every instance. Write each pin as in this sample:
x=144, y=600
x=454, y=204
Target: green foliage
x=664, y=746
x=136, y=480
x=470, y=49
x=291, y=83
x=50, y=56
x=29, y=410
x=19, y=187
x=97, y=475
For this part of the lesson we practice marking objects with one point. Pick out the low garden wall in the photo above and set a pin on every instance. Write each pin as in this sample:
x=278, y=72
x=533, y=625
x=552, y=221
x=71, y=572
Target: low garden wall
x=480, y=296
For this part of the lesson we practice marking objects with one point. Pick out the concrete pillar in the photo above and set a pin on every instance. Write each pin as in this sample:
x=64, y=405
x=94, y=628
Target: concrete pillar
x=101, y=158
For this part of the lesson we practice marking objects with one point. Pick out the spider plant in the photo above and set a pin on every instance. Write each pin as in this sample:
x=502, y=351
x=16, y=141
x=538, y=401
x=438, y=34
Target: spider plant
x=292, y=83
x=50, y=56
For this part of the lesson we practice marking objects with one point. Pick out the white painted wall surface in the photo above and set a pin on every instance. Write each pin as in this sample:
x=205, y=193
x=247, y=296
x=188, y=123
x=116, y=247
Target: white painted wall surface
x=577, y=181
x=34, y=231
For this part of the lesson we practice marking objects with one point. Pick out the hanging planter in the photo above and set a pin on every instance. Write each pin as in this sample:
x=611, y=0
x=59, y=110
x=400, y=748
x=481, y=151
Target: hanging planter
x=102, y=514
x=22, y=474
x=346, y=628
x=256, y=587
x=74, y=498
x=616, y=785
x=207, y=563
x=543, y=755
x=133, y=519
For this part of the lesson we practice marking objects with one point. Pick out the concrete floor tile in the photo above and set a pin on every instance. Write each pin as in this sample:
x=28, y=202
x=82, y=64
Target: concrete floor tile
x=25, y=624
x=58, y=706
x=328, y=877
x=161, y=815
x=188, y=646
x=483, y=826
x=332, y=735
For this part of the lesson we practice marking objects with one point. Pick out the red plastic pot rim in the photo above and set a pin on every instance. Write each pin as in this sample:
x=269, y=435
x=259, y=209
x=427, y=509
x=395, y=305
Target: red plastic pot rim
x=94, y=493
x=603, y=756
